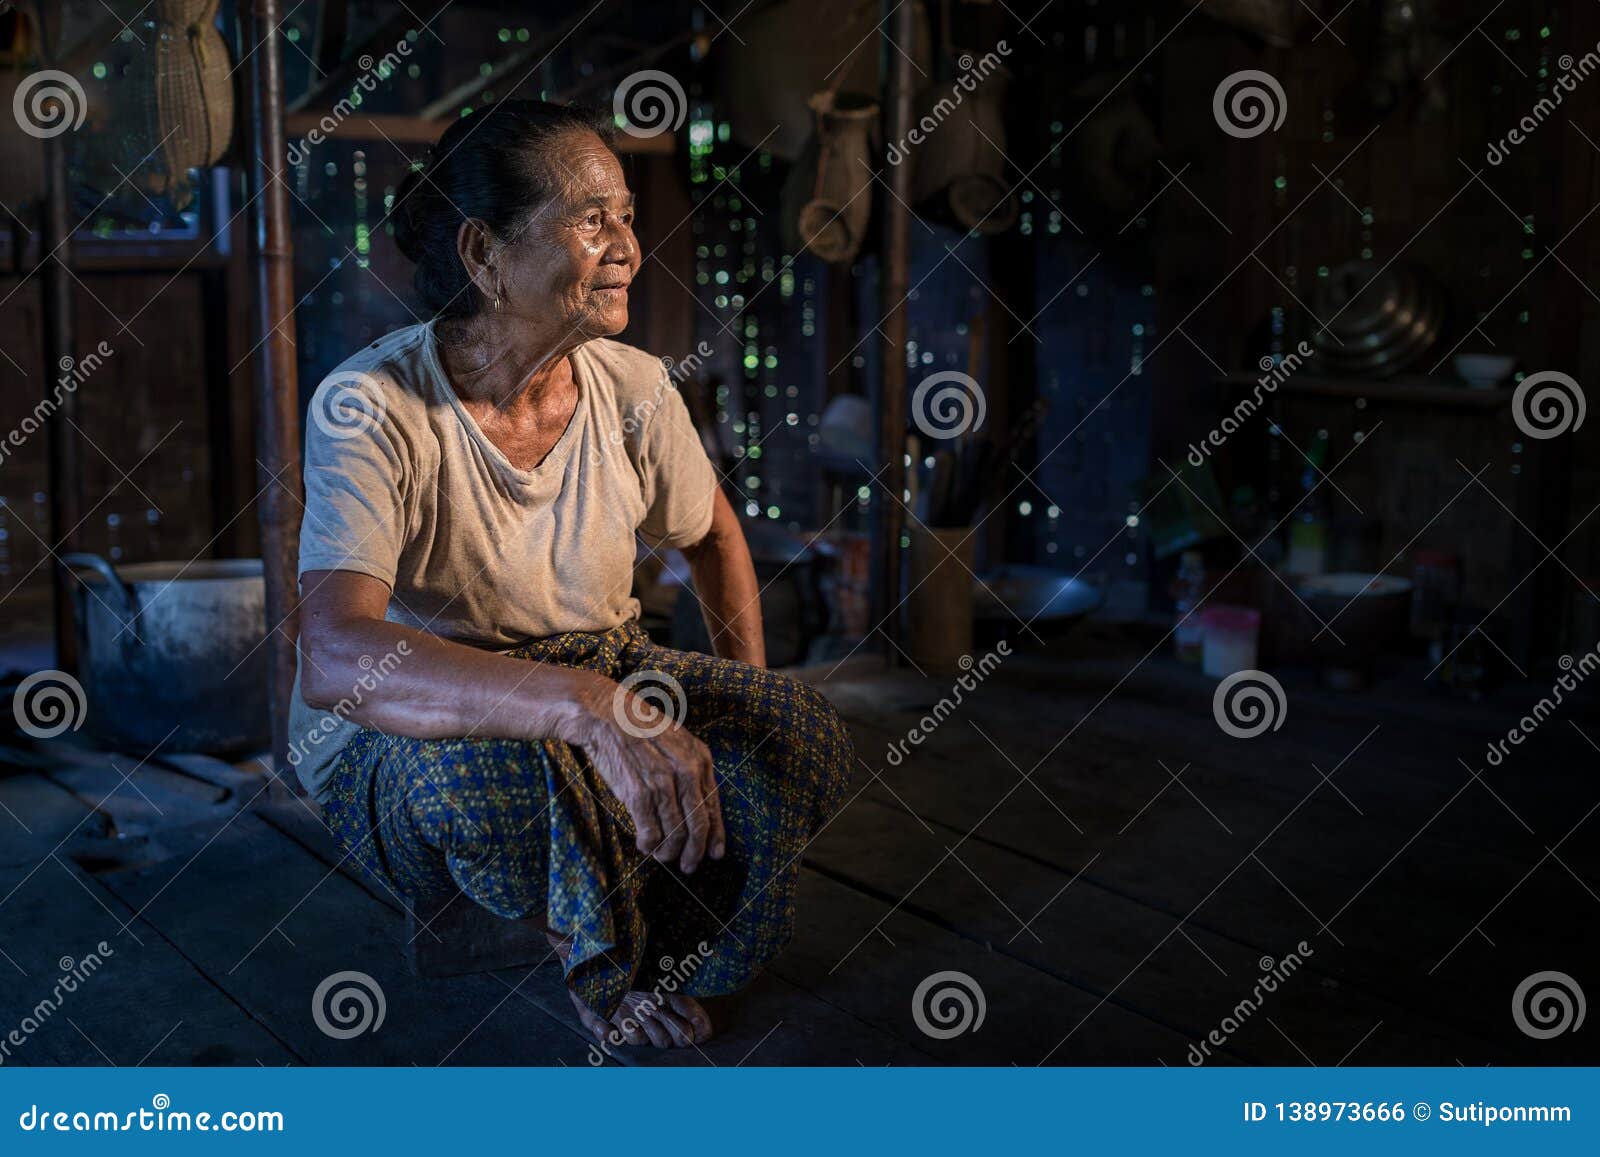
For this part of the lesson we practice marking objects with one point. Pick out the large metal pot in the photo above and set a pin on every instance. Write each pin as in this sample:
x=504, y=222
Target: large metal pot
x=1367, y=614
x=171, y=655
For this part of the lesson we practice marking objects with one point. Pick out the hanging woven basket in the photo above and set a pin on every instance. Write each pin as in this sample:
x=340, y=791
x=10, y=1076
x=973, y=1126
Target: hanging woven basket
x=186, y=101
x=960, y=167
x=827, y=200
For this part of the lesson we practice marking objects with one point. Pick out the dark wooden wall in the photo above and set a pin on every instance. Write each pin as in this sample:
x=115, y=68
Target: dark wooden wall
x=157, y=417
x=1193, y=258
x=1256, y=224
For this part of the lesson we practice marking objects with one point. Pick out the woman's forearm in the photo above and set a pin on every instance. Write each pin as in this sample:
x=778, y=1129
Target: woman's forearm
x=403, y=681
x=725, y=582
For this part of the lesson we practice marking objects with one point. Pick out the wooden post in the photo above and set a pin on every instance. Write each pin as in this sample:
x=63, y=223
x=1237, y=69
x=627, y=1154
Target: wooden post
x=280, y=495
x=66, y=473
x=894, y=285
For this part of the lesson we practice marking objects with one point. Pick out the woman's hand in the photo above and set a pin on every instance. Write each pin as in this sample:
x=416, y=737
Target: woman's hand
x=660, y=772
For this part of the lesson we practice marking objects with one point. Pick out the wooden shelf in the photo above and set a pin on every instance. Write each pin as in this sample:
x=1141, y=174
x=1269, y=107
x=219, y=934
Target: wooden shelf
x=1413, y=391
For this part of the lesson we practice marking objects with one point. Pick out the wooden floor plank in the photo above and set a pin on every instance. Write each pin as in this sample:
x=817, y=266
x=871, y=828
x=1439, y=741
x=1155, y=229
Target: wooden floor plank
x=1425, y=900
x=776, y=1021
x=38, y=817
x=270, y=924
x=143, y=802
x=790, y=1025
x=863, y=954
x=1165, y=848
x=1169, y=860
x=481, y=1019
x=1399, y=770
x=1187, y=978
x=142, y=1002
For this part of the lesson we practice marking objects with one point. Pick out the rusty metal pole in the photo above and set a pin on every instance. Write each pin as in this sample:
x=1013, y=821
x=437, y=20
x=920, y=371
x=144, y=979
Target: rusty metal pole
x=894, y=285
x=66, y=473
x=280, y=496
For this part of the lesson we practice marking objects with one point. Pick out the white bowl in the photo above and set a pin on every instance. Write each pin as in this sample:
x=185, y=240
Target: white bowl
x=1483, y=371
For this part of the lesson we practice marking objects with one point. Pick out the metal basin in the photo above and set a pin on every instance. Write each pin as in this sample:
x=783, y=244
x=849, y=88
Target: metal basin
x=171, y=655
x=1367, y=613
x=1037, y=595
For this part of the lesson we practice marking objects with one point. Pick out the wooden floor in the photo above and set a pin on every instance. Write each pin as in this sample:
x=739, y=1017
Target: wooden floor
x=1084, y=844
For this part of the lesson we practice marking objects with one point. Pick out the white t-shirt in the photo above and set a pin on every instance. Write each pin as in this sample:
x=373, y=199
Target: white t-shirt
x=403, y=485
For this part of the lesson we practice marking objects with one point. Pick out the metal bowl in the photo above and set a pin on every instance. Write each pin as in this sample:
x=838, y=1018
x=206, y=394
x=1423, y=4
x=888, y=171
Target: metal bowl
x=1378, y=320
x=1035, y=594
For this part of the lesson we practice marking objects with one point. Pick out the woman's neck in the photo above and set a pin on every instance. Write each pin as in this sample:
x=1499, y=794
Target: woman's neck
x=502, y=362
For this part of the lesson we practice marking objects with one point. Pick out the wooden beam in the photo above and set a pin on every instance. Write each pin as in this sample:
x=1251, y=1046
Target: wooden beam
x=277, y=393
x=411, y=130
x=338, y=80
x=65, y=472
x=540, y=48
x=633, y=64
x=894, y=288
x=65, y=475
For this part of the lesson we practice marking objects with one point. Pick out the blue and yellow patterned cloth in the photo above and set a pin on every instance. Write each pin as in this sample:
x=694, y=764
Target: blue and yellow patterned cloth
x=528, y=828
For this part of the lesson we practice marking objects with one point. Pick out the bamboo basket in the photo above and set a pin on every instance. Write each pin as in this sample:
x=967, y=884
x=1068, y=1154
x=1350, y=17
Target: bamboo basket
x=181, y=107
x=960, y=172
x=827, y=205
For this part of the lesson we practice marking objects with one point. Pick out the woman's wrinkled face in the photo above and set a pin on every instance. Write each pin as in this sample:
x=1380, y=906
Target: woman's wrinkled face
x=577, y=254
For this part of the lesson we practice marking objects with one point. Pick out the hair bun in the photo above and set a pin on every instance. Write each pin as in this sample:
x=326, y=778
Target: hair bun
x=404, y=216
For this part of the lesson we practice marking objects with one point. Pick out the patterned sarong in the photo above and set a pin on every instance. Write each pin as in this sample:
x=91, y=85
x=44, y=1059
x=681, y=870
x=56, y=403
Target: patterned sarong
x=528, y=828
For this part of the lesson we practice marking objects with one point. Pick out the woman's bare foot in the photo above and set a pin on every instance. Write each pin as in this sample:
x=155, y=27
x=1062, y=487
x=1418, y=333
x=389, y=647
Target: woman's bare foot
x=663, y=1019
x=667, y=1021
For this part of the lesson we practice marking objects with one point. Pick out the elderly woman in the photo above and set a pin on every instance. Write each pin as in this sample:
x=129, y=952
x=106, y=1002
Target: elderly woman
x=484, y=712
